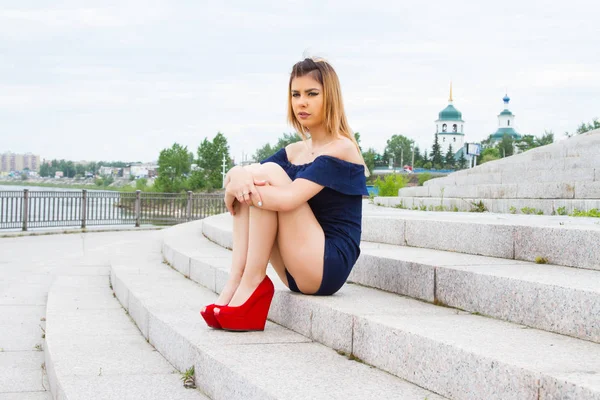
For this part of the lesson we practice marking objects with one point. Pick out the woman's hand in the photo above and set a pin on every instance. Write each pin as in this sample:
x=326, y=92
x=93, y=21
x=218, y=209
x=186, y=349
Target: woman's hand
x=229, y=202
x=258, y=182
x=240, y=186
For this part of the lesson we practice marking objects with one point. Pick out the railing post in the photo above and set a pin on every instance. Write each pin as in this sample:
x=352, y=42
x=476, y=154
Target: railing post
x=25, y=208
x=138, y=208
x=83, y=208
x=189, y=206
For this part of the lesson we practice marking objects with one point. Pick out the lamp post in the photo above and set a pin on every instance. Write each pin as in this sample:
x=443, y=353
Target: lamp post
x=224, y=173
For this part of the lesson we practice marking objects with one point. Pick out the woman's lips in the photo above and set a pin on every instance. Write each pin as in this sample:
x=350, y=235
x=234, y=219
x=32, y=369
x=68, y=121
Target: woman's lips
x=303, y=115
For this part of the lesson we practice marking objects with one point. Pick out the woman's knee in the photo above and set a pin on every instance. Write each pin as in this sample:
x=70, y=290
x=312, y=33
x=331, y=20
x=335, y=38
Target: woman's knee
x=272, y=173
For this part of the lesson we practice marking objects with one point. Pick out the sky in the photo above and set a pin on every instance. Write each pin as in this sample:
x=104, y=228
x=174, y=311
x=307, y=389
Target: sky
x=122, y=80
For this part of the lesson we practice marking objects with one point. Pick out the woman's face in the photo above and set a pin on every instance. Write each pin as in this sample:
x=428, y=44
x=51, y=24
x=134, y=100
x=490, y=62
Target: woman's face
x=307, y=101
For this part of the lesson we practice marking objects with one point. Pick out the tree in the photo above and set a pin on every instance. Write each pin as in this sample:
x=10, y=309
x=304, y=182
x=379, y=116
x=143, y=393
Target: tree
x=370, y=157
x=583, y=128
x=173, y=166
x=462, y=161
x=267, y=150
x=210, y=160
x=547, y=138
x=287, y=138
x=436, y=153
x=449, y=161
x=264, y=152
x=489, y=154
x=506, y=146
x=418, y=157
x=399, y=148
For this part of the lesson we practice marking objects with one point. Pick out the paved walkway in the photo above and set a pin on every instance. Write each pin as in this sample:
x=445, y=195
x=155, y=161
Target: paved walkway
x=28, y=266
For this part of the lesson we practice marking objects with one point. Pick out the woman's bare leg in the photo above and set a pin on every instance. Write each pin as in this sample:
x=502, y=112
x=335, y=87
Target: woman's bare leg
x=262, y=231
x=240, y=251
x=300, y=251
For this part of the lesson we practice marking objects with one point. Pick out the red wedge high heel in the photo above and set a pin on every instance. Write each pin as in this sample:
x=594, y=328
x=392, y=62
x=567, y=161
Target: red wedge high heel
x=252, y=315
x=209, y=316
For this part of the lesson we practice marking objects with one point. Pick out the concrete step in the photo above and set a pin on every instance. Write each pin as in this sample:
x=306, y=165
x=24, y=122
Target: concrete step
x=553, y=298
x=537, y=191
x=536, y=295
x=450, y=352
x=501, y=206
x=561, y=240
x=275, y=364
x=94, y=351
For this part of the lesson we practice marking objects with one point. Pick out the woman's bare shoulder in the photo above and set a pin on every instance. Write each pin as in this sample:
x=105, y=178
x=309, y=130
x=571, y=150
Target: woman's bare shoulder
x=293, y=149
x=346, y=150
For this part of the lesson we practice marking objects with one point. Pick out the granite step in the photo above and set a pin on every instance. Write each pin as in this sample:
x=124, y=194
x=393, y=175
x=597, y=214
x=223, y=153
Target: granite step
x=451, y=352
x=501, y=206
x=561, y=240
x=94, y=351
x=275, y=364
x=536, y=295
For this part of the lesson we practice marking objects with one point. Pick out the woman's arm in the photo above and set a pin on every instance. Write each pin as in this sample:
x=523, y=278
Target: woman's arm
x=287, y=197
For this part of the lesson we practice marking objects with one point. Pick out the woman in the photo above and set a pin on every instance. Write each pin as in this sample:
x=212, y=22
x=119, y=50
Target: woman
x=300, y=209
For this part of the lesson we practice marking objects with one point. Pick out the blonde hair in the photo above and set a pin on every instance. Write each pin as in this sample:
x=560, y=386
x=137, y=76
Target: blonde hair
x=333, y=105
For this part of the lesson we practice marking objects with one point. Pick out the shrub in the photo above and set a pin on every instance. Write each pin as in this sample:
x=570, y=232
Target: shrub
x=390, y=185
x=424, y=178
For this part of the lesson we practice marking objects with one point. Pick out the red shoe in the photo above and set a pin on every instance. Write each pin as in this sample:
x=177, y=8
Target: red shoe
x=252, y=315
x=209, y=316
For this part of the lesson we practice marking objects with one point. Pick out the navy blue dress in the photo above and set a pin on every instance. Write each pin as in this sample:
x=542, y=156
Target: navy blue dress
x=338, y=208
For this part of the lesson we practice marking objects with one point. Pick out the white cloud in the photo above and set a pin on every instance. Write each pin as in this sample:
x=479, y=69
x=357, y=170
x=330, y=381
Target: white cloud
x=133, y=77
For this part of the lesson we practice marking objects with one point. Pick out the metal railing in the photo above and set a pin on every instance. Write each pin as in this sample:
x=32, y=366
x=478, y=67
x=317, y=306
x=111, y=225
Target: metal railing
x=40, y=209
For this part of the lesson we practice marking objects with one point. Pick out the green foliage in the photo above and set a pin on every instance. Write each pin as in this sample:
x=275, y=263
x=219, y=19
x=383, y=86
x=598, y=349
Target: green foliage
x=561, y=210
x=478, y=207
x=370, y=157
x=24, y=176
x=541, y=260
x=488, y=154
x=424, y=177
x=210, y=160
x=513, y=210
x=449, y=161
x=506, y=146
x=390, y=185
x=436, y=153
x=462, y=161
x=529, y=142
x=583, y=128
x=399, y=148
x=428, y=165
x=594, y=213
x=141, y=184
x=267, y=150
x=173, y=166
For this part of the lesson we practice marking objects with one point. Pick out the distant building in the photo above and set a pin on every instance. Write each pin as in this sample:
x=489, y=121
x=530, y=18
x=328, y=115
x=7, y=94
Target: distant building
x=506, y=123
x=10, y=162
x=450, y=128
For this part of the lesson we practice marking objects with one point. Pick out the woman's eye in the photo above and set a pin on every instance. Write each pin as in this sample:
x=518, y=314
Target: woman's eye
x=295, y=95
x=313, y=94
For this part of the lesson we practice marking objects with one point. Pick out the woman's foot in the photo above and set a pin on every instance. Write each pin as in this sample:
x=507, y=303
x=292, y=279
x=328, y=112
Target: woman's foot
x=227, y=293
x=244, y=290
x=250, y=315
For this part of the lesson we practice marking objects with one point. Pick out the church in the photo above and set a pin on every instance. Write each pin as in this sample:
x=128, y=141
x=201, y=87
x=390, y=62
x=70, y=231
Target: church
x=450, y=128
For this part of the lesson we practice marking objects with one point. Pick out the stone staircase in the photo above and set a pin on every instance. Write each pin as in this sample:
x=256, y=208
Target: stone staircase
x=440, y=305
x=440, y=316
x=564, y=175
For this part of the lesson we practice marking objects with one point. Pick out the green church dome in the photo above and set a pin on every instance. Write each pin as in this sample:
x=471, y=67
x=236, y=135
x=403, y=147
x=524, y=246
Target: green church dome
x=506, y=112
x=450, y=113
x=499, y=134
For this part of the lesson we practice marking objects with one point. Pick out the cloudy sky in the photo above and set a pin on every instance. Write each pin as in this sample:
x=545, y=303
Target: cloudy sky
x=121, y=80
